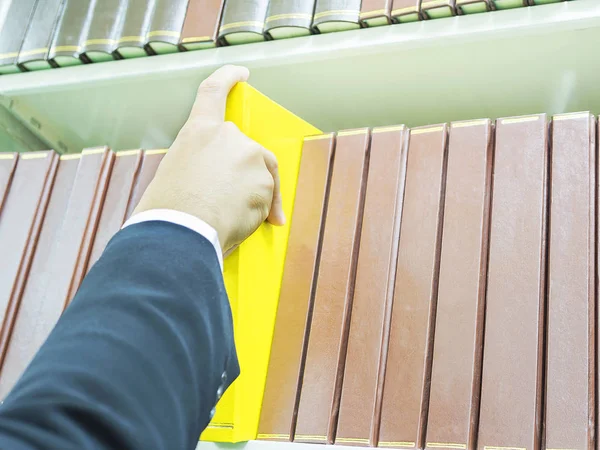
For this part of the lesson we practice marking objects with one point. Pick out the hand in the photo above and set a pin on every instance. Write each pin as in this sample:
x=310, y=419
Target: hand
x=215, y=172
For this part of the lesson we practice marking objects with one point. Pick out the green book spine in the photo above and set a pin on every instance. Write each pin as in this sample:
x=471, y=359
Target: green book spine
x=473, y=6
x=243, y=21
x=17, y=19
x=136, y=24
x=166, y=26
x=107, y=21
x=287, y=18
x=73, y=27
x=336, y=15
x=34, y=51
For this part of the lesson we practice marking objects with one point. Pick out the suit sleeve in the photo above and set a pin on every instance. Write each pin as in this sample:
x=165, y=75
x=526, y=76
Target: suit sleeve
x=139, y=358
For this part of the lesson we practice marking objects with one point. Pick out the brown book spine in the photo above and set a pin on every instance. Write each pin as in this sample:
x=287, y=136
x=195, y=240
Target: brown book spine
x=150, y=162
x=358, y=422
x=376, y=12
x=83, y=213
x=20, y=226
x=201, y=26
x=406, y=10
x=326, y=353
x=408, y=370
x=570, y=391
x=8, y=162
x=511, y=386
x=297, y=290
x=457, y=352
x=120, y=187
x=40, y=308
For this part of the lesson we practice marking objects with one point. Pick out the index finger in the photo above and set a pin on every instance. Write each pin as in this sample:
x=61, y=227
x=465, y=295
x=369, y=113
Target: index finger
x=211, y=98
x=276, y=215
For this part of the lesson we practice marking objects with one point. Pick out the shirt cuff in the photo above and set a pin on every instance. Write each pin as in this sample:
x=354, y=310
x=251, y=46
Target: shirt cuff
x=185, y=220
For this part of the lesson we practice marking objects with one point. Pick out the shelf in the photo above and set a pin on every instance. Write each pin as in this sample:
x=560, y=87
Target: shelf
x=521, y=61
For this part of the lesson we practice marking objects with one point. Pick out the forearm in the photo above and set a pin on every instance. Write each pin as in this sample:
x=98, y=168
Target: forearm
x=137, y=358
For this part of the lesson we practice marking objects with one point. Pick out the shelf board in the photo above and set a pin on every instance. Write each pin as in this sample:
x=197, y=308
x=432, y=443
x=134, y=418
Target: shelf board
x=521, y=61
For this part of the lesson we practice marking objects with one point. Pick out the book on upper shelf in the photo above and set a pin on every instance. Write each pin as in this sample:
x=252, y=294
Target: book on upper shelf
x=243, y=21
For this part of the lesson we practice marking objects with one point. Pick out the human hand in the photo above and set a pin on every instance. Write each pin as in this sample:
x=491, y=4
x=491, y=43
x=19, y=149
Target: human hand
x=215, y=172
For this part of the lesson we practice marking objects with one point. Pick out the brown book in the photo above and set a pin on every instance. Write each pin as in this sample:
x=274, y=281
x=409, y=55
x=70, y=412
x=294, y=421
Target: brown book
x=166, y=26
x=408, y=370
x=120, y=187
x=511, y=395
x=150, y=162
x=336, y=15
x=473, y=6
x=406, y=10
x=20, y=224
x=201, y=26
x=8, y=162
x=292, y=326
x=374, y=13
x=39, y=309
x=326, y=353
x=570, y=391
x=436, y=9
x=457, y=351
x=360, y=405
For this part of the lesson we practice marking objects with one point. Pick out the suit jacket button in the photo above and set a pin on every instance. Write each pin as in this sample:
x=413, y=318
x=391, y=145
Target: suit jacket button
x=224, y=377
x=212, y=414
x=219, y=393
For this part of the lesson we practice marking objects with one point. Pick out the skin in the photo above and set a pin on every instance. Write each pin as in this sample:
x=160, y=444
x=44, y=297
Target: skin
x=215, y=172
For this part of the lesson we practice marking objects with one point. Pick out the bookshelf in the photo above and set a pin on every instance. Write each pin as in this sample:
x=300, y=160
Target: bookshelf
x=264, y=445
x=520, y=61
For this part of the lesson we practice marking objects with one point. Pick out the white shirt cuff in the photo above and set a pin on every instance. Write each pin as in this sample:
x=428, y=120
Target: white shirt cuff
x=185, y=220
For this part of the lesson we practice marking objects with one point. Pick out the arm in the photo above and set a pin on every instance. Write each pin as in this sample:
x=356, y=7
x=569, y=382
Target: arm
x=140, y=357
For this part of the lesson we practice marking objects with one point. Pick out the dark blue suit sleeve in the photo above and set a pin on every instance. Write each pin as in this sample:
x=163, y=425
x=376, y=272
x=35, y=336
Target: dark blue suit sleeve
x=140, y=356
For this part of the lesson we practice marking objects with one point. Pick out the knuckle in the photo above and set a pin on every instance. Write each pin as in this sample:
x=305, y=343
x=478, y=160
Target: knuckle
x=210, y=86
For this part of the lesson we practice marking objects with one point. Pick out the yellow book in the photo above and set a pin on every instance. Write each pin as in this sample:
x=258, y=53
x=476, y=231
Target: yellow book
x=254, y=271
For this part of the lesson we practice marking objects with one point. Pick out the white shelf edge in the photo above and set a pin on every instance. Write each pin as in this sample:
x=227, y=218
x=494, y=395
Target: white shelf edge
x=580, y=14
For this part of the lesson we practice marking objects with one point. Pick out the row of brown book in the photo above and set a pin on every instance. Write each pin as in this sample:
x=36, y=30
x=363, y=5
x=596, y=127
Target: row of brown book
x=41, y=34
x=440, y=289
x=57, y=213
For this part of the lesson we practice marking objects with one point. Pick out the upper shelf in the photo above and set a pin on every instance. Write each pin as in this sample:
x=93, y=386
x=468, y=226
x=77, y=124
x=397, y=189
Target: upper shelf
x=521, y=61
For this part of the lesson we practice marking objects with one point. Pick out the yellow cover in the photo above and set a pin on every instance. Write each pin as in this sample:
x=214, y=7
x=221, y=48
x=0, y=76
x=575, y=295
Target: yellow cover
x=254, y=271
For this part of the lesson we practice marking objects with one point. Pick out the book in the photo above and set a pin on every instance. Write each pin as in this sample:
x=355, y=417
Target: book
x=8, y=161
x=39, y=309
x=101, y=40
x=150, y=162
x=360, y=404
x=20, y=224
x=201, y=25
x=18, y=14
x=72, y=28
x=436, y=9
x=289, y=18
x=457, y=350
x=374, y=13
x=408, y=367
x=294, y=311
x=166, y=26
x=243, y=21
x=473, y=6
x=406, y=10
x=327, y=342
x=571, y=329
x=336, y=15
x=509, y=4
x=38, y=38
x=513, y=342
x=253, y=272
x=120, y=186
x=136, y=24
